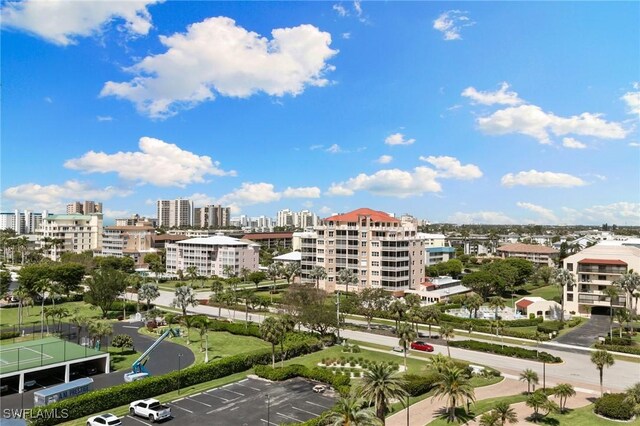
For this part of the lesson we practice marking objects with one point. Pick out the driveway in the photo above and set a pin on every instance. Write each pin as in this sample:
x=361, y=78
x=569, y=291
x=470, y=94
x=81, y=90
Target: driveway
x=587, y=334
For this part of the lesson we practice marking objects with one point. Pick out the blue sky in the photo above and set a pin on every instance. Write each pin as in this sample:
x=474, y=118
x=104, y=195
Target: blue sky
x=483, y=112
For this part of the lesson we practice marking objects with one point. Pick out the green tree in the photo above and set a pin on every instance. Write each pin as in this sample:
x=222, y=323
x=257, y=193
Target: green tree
x=490, y=418
x=397, y=310
x=192, y=273
x=602, y=359
x=380, y=384
x=529, y=376
x=473, y=302
x=350, y=411
x=633, y=397
x=540, y=402
x=446, y=332
x=257, y=277
x=81, y=322
x=406, y=335
x=496, y=303
x=630, y=282
x=124, y=264
x=622, y=315
x=271, y=331
x=612, y=292
x=544, y=274
x=346, y=277
x=148, y=292
x=100, y=329
x=184, y=297
x=5, y=282
x=505, y=413
x=439, y=363
x=563, y=391
x=318, y=273
x=430, y=314
x=563, y=279
x=454, y=386
x=122, y=341
x=290, y=271
x=274, y=271
x=372, y=301
x=156, y=265
x=104, y=287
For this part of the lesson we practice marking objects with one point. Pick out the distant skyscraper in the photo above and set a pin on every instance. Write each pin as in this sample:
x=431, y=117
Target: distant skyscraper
x=175, y=213
x=85, y=207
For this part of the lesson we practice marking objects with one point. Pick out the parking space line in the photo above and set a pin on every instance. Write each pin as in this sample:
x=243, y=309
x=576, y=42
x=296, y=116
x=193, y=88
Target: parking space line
x=199, y=402
x=237, y=393
x=234, y=408
x=183, y=409
x=176, y=400
x=246, y=386
x=317, y=405
x=305, y=411
x=138, y=420
x=219, y=397
x=289, y=417
x=268, y=423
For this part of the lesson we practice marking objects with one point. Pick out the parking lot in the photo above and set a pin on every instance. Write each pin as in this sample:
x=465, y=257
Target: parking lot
x=247, y=402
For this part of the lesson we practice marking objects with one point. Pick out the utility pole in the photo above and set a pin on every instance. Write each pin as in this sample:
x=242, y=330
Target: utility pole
x=338, y=314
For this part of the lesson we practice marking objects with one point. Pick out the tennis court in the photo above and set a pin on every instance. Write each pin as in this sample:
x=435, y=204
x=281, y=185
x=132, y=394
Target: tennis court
x=36, y=353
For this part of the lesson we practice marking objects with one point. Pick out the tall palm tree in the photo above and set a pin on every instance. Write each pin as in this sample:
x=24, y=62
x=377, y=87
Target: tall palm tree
x=80, y=321
x=381, y=384
x=496, y=303
x=446, y=332
x=148, y=292
x=505, y=413
x=228, y=271
x=612, y=292
x=136, y=282
x=529, y=376
x=622, y=315
x=192, y=273
x=454, y=386
x=430, y=315
x=563, y=391
x=439, y=363
x=100, y=329
x=563, y=278
x=42, y=287
x=184, y=297
x=318, y=273
x=630, y=282
x=188, y=321
x=473, y=302
x=406, y=335
x=274, y=271
x=244, y=273
x=397, y=309
x=633, y=397
x=414, y=314
x=602, y=359
x=346, y=277
x=349, y=411
x=291, y=271
x=271, y=332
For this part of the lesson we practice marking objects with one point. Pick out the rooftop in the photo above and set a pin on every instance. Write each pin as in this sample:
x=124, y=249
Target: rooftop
x=267, y=235
x=527, y=248
x=602, y=262
x=354, y=216
x=294, y=256
x=216, y=240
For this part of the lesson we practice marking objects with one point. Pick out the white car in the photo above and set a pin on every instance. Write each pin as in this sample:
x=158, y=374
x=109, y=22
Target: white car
x=319, y=388
x=150, y=409
x=104, y=420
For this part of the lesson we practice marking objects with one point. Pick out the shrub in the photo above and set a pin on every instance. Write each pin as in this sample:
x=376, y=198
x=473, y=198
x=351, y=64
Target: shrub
x=295, y=370
x=117, y=307
x=574, y=321
x=635, y=350
x=613, y=406
x=9, y=335
x=550, y=327
x=417, y=384
x=477, y=322
x=510, y=351
x=624, y=341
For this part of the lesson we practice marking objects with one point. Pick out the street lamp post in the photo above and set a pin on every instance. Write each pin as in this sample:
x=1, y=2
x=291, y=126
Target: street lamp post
x=338, y=314
x=268, y=408
x=179, y=371
x=544, y=374
x=206, y=348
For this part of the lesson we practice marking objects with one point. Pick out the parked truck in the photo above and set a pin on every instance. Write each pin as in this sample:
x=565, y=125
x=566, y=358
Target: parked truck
x=150, y=409
x=66, y=390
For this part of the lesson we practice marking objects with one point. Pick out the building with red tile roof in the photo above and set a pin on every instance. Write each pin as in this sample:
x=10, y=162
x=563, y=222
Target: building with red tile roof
x=538, y=255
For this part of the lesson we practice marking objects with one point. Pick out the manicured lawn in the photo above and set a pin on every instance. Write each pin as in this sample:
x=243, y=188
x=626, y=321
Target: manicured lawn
x=122, y=359
x=547, y=292
x=583, y=416
x=478, y=408
x=221, y=343
x=31, y=315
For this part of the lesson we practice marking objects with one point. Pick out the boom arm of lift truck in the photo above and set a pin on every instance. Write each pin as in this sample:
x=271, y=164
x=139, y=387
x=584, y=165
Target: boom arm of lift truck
x=138, y=365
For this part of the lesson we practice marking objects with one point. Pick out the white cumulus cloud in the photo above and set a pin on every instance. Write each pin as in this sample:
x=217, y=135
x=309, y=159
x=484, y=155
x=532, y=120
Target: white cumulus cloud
x=218, y=57
x=545, y=214
x=62, y=21
x=302, y=192
x=390, y=182
x=532, y=121
x=573, y=143
x=54, y=197
x=484, y=217
x=451, y=23
x=541, y=179
x=384, y=159
x=632, y=99
x=259, y=193
x=450, y=167
x=621, y=213
x=334, y=149
x=398, y=139
x=340, y=10
x=501, y=96
x=158, y=163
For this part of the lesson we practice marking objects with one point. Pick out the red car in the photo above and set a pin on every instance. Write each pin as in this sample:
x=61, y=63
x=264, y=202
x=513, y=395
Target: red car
x=421, y=346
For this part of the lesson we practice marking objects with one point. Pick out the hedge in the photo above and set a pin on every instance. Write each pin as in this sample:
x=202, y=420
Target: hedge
x=9, y=335
x=108, y=398
x=340, y=382
x=624, y=341
x=507, y=332
x=634, y=350
x=510, y=351
x=525, y=322
x=613, y=406
x=550, y=327
x=417, y=384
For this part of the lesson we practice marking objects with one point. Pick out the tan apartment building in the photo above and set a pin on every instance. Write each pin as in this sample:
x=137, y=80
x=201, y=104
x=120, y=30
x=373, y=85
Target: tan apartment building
x=380, y=250
x=596, y=268
x=130, y=241
x=538, y=255
x=71, y=232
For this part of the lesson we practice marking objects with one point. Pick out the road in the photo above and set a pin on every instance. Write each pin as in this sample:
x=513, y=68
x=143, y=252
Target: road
x=576, y=369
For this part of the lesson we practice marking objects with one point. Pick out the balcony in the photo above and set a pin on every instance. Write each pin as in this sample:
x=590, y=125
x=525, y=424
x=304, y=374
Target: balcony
x=600, y=300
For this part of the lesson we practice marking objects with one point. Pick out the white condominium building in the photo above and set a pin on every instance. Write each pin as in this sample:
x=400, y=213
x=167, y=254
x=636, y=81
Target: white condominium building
x=595, y=269
x=25, y=222
x=380, y=250
x=213, y=255
x=70, y=233
x=175, y=213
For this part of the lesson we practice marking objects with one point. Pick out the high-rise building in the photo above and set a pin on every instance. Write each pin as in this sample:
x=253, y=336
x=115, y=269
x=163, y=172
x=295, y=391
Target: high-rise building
x=379, y=249
x=285, y=218
x=303, y=219
x=216, y=216
x=137, y=220
x=134, y=241
x=25, y=222
x=85, y=207
x=70, y=233
x=175, y=213
x=74, y=208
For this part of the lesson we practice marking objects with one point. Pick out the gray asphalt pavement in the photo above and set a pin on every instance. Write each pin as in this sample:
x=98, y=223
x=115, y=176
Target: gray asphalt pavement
x=587, y=334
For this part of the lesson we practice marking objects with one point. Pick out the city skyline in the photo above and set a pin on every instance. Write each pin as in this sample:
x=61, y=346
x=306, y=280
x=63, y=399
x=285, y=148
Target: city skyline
x=494, y=113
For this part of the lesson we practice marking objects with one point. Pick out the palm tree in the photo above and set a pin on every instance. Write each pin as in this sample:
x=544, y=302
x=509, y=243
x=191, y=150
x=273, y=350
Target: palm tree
x=381, y=384
x=414, y=314
x=42, y=287
x=192, y=273
x=430, y=315
x=397, y=310
x=455, y=387
x=100, y=329
x=202, y=323
x=563, y=391
x=490, y=418
x=531, y=377
x=136, y=281
x=216, y=287
x=633, y=397
x=80, y=321
x=439, y=363
x=318, y=273
x=349, y=411
x=602, y=359
x=244, y=273
x=540, y=401
x=563, y=278
x=505, y=413
x=612, y=293
x=630, y=282
x=291, y=270
x=446, y=332
x=22, y=295
x=622, y=315
x=228, y=271
x=273, y=272
x=148, y=292
x=184, y=297
x=188, y=321
x=346, y=277
x=406, y=335
x=496, y=303
x=271, y=332
x=473, y=302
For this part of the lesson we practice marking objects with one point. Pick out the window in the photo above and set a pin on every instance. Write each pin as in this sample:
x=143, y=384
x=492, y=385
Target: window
x=569, y=297
x=375, y=244
x=375, y=273
x=363, y=283
x=375, y=253
x=375, y=263
x=363, y=272
x=570, y=266
x=331, y=233
x=363, y=234
x=363, y=244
